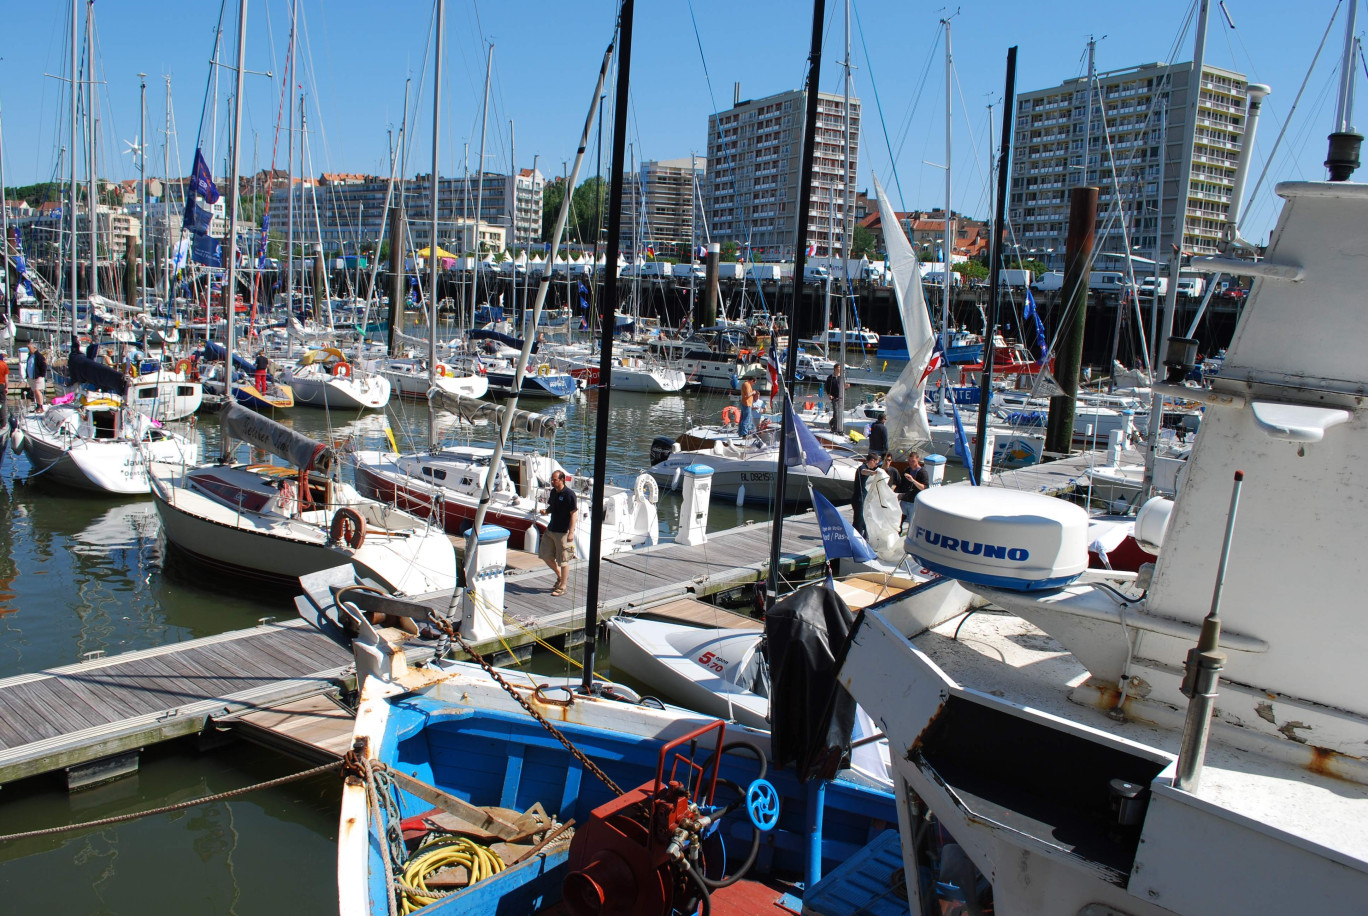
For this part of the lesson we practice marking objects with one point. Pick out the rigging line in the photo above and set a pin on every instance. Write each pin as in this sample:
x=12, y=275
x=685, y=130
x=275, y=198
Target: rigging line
x=209, y=80
x=917, y=93
x=878, y=104
x=1295, y=102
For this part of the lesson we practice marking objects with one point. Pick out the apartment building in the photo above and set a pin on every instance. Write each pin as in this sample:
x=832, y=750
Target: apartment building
x=1135, y=113
x=754, y=164
x=661, y=205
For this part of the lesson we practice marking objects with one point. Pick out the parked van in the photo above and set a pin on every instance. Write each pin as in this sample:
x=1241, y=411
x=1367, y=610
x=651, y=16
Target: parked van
x=1107, y=281
x=1014, y=278
x=816, y=273
x=1049, y=282
x=1148, y=287
x=1191, y=286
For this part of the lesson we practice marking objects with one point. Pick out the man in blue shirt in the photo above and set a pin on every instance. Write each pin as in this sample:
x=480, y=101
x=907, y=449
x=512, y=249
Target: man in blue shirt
x=557, y=547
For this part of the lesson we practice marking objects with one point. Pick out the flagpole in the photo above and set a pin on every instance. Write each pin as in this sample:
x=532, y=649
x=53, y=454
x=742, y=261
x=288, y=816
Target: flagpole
x=799, y=263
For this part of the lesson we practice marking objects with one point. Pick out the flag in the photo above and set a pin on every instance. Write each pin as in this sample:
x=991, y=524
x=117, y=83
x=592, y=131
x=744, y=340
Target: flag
x=206, y=250
x=801, y=445
x=962, y=450
x=182, y=252
x=702, y=252
x=839, y=538
x=771, y=363
x=201, y=181
x=19, y=264
x=937, y=360
x=1031, y=312
x=812, y=250
x=650, y=251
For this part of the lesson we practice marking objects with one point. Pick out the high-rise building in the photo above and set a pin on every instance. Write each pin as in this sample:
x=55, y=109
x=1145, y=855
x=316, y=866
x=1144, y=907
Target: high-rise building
x=661, y=206
x=1134, y=113
x=754, y=164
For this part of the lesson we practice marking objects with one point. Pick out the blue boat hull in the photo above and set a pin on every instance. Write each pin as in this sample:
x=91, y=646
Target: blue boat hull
x=555, y=385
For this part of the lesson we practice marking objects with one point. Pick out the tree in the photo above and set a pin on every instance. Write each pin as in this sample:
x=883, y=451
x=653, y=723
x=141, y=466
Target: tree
x=552, y=196
x=729, y=250
x=1035, y=267
x=589, y=210
x=862, y=243
x=971, y=270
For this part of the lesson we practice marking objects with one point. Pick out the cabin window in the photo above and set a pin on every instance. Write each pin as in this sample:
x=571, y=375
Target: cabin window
x=146, y=393
x=435, y=474
x=184, y=391
x=106, y=423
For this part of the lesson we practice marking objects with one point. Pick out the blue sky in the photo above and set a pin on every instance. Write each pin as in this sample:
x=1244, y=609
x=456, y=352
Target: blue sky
x=356, y=55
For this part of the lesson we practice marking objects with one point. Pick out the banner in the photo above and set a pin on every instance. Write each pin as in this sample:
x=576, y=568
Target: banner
x=839, y=538
x=1031, y=312
x=962, y=450
x=206, y=250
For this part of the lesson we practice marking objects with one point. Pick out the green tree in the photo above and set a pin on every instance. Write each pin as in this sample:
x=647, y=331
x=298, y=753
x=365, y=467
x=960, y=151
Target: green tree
x=1035, y=267
x=862, y=243
x=729, y=250
x=589, y=210
x=552, y=196
x=971, y=270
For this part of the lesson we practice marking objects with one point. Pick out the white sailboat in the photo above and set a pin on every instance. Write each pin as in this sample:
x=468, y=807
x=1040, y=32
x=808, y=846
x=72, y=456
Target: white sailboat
x=327, y=378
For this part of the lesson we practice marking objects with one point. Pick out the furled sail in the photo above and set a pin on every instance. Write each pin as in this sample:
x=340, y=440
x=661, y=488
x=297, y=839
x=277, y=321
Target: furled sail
x=905, y=405
x=264, y=433
x=473, y=409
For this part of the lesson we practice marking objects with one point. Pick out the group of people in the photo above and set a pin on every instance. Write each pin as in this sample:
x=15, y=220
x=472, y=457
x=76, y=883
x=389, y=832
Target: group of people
x=907, y=482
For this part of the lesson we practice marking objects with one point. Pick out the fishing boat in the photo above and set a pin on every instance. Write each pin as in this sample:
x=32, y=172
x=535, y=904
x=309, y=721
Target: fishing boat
x=327, y=378
x=274, y=523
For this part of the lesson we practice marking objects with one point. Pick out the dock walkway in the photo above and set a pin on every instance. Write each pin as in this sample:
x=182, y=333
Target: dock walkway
x=1061, y=476
x=69, y=717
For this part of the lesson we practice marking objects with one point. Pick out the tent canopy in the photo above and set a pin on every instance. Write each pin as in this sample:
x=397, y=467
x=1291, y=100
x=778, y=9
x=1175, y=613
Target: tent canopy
x=441, y=253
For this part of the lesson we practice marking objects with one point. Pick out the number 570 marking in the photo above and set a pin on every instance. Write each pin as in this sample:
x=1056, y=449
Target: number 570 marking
x=712, y=662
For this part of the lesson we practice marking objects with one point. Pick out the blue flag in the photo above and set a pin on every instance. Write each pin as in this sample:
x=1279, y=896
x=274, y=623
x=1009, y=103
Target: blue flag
x=206, y=250
x=839, y=538
x=962, y=450
x=801, y=446
x=202, y=181
x=1029, y=312
x=19, y=263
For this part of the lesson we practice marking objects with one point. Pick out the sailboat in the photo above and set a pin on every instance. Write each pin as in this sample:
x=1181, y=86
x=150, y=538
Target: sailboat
x=326, y=377
x=276, y=523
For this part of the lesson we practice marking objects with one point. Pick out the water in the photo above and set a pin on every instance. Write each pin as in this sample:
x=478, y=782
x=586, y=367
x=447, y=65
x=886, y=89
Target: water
x=79, y=574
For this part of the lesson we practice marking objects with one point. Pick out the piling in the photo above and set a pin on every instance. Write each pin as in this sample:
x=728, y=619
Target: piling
x=1069, y=354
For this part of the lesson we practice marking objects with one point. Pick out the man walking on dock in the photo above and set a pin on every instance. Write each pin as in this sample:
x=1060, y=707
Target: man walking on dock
x=557, y=546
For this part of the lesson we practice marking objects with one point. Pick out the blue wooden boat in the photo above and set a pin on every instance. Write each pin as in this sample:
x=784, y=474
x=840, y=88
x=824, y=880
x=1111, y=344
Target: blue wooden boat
x=465, y=737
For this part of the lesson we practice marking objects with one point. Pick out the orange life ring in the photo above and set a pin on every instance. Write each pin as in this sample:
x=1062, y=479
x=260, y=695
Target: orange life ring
x=730, y=415
x=348, y=527
x=441, y=370
x=183, y=366
x=342, y=370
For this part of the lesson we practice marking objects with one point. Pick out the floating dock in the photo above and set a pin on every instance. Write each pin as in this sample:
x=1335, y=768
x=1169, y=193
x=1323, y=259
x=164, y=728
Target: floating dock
x=1062, y=476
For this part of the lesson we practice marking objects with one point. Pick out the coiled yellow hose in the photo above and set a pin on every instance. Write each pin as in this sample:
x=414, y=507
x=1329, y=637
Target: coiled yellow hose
x=478, y=860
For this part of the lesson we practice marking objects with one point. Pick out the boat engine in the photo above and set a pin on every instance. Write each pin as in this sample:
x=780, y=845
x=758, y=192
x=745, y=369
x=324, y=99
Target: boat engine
x=643, y=854
x=661, y=448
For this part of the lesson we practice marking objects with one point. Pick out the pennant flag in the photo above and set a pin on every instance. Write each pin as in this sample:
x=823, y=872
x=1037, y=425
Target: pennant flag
x=19, y=262
x=1046, y=385
x=812, y=250
x=1031, y=312
x=937, y=360
x=962, y=450
x=801, y=446
x=201, y=181
x=839, y=538
x=650, y=251
x=771, y=364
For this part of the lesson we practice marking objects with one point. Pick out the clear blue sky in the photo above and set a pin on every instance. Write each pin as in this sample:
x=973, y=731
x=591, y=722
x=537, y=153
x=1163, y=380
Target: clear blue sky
x=355, y=57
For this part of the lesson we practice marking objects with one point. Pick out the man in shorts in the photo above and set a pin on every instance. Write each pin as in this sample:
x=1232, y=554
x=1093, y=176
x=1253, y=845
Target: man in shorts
x=557, y=545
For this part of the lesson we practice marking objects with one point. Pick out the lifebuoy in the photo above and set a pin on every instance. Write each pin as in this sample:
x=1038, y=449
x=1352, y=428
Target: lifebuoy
x=544, y=369
x=647, y=488
x=184, y=366
x=441, y=370
x=731, y=415
x=348, y=527
x=342, y=370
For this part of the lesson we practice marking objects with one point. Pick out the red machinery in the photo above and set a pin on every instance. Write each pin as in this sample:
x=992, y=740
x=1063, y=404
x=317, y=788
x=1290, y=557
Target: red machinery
x=641, y=854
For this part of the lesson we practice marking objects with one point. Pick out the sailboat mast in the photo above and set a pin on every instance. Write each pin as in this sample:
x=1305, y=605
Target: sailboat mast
x=71, y=184
x=513, y=190
x=289, y=167
x=799, y=263
x=432, y=201
x=166, y=202
x=846, y=291
x=946, y=229
x=230, y=249
x=142, y=186
x=1179, y=230
x=607, y=321
x=479, y=183
x=92, y=199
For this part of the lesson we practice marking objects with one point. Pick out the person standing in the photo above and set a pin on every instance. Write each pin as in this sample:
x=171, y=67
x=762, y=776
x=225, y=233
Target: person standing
x=263, y=369
x=863, y=475
x=4, y=404
x=878, y=436
x=747, y=424
x=835, y=387
x=557, y=546
x=912, y=481
x=37, y=373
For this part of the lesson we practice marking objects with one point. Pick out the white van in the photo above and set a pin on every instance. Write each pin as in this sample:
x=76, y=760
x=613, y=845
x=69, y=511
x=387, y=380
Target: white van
x=1049, y=282
x=1107, y=281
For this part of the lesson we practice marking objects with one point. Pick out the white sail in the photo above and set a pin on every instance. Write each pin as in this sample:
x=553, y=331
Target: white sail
x=905, y=405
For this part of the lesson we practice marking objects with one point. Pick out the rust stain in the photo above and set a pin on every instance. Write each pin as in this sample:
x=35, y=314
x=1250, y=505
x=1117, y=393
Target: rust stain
x=1326, y=762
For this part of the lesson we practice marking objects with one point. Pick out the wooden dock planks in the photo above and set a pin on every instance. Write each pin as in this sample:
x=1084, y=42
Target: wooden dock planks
x=75, y=714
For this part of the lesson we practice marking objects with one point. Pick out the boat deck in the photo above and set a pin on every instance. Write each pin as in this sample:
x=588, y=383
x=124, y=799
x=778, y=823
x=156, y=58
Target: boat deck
x=110, y=707
x=1061, y=476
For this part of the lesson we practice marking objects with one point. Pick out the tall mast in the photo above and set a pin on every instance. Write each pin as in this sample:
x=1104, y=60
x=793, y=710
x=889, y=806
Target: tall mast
x=92, y=199
x=230, y=249
x=606, y=328
x=479, y=182
x=432, y=238
x=845, y=194
x=142, y=185
x=1179, y=229
x=1087, y=117
x=71, y=185
x=4, y=226
x=947, y=227
x=1345, y=142
x=166, y=200
x=513, y=183
x=289, y=167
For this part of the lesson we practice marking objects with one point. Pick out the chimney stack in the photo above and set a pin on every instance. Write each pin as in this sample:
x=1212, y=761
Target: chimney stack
x=736, y=93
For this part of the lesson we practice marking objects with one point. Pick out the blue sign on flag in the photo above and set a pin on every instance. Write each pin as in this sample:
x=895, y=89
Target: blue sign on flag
x=802, y=446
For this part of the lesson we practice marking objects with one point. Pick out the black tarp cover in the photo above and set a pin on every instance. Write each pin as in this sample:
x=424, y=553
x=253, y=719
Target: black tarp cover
x=86, y=371
x=811, y=714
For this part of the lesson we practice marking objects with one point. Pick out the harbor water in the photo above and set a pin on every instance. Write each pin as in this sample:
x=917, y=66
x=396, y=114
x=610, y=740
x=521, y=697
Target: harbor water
x=81, y=575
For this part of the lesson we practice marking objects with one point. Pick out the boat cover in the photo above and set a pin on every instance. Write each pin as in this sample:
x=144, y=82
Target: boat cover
x=472, y=409
x=281, y=441
x=811, y=714
x=515, y=342
x=86, y=371
x=214, y=351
